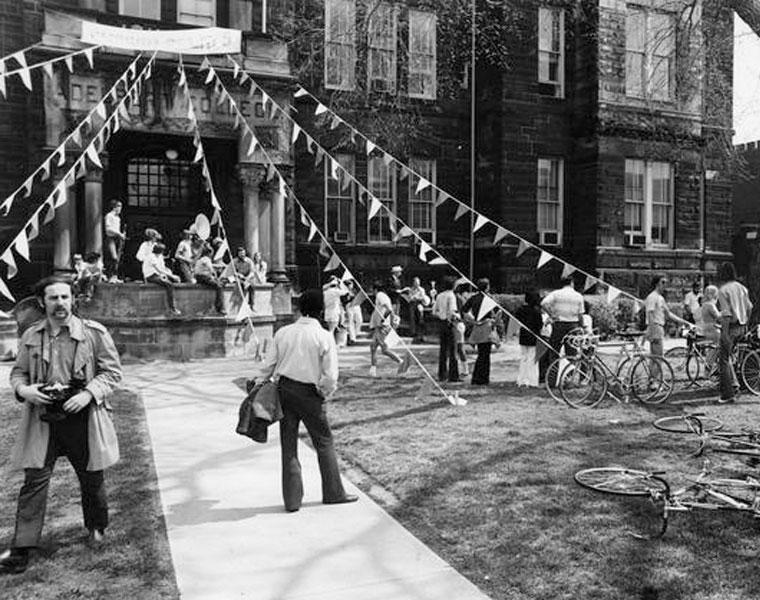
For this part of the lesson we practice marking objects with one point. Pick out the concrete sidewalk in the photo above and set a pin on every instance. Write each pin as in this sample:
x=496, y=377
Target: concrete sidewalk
x=229, y=534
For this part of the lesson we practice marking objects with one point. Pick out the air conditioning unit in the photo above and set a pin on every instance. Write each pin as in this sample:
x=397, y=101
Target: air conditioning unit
x=341, y=236
x=548, y=238
x=381, y=85
x=635, y=239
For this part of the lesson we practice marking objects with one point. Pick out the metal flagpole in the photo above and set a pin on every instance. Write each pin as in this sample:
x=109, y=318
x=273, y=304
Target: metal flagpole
x=472, y=144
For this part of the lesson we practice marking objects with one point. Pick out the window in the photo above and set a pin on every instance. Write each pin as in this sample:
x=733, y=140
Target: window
x=197, y=12
x=650, y=47
x=157, y=183
x=381, y=182
x=551, y=49
x=145, y=9
x=381, y=40
x=549, y=196
x=339, y=201
x=422, y=54
x=648, y=203
x=422, y=205
x=340, y=53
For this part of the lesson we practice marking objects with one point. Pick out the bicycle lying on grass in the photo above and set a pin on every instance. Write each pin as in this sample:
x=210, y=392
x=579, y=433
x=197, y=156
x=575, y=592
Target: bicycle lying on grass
x=703, y=492
x=583, y=380
x=712, y=437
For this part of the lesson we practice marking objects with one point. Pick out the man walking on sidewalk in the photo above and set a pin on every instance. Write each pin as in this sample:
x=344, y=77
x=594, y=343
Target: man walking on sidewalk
x=304, y=357
x=65, y=370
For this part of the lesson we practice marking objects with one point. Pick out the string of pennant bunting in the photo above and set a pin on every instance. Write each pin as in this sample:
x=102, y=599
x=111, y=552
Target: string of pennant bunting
x=24, y=72
x=245, y=312
x=427, y=253
x=326, y=249
x=442, y=196
x=76, y=136
x=59, y=196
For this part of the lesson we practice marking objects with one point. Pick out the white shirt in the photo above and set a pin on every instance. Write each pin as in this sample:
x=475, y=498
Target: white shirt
x=113, y=224
x=734, y=302
x=303, y=351
x=383, y=309
x=154, y=265
x=564, y=305
x=445, y=307
x=691, y=301
x=333, y=307
x=145, y=249
x=656, y=308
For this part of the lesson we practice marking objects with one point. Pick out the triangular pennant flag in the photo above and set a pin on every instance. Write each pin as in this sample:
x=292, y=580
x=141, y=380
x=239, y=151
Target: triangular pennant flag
x=300, y=92
x=50, y=214
x=34, y=227
x=48, y=69
x=69, y=64
x=20, y=58
x=5, y=291
x=404, y=172
x=271, y=170
x=387, y=159
x=2, y=85
x=204, y=64
x=323, y=249
x=244, y=312
x=88, y=56
x=8, y=259
x=93, y=155
x=282, y=186
x=522, y=247
x=21, y=245
x=320, y=109
x=61, y=155
x=513, y=328
x=637, y=307
x=479, y=222
x=424, y=249
x=237, y=120
x=76, y=135
x=265, y=99
x=442, y=197
x=334, y=168
x=273, y=111
x=501, y=233
x=333, y=263
x=612, y=293
x=210, y=76
x=543, y=259
x=25, y=78
x=590, y=281
x=319, y=156
x=370, y=147
x=116, y=122
x=252, y=147
x=312, y=230
x=5, y=207
x=216, y=218
x=132, y=69
x=346, y=275
x=45, y=167
x=215, y=201
x=122, y=110
x=309, y=149
x=305, y=220
x=243, y=77
x=222, y=250
x=374, y=207
x=235, y=70
x=182, y=78
x=567, y=270
x=405, y=231
x=486, y=306
x=62, y=194
x=392, y=339
x=198, y=153
x=421, y=185
x=27, y=187
x=438, y=260
x=296, y=133
x=336, y=121
x=252, y=89
x=461, y=210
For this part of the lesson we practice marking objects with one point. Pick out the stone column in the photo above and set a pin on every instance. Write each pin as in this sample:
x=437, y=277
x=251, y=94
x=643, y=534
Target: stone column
x=265, y=222
x=277, y=272
x=64, y=230
x=93, y=210
x=251, y=175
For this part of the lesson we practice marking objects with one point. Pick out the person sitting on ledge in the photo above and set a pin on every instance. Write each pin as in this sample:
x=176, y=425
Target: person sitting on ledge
x=244, y=268
x=205, y=275
x=150, y=238
x=88, y=274
x=155, y=271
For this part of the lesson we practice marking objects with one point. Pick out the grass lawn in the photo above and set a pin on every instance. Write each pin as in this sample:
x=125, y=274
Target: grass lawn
x=134, y=564
x=489, y=486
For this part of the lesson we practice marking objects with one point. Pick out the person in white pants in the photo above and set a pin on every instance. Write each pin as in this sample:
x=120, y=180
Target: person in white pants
x=354, y=318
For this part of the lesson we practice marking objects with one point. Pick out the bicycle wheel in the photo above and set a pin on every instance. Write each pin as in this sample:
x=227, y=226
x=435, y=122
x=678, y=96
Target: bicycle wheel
x=553, y=378
x=651, y=380
x=621, y=481
x=677, y=357
x=688, y=424
x=582, y=384
x=696, y=371
x=750, y=371
x=623, y=371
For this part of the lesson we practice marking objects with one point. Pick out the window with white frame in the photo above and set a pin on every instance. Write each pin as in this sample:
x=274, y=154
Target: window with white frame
x=197, y=12
x=422, y=54
x=648, y=203
x=340, y=40
x=549, y=196
x=381, y=182
x=650, y=52
x=145, y=9
x=422, y=204
x=381, y=42
x=339, y=200
x=551, y=48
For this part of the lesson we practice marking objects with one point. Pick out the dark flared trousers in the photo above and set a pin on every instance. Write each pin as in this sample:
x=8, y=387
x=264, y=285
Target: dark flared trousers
x=67, y=438
x=447, y=356
x=302, y=402
x=481, y=372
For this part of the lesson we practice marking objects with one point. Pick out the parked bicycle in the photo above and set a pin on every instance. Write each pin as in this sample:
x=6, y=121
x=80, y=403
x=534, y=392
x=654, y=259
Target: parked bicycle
x=703, y=492
x=711, y=435
x=584, y=380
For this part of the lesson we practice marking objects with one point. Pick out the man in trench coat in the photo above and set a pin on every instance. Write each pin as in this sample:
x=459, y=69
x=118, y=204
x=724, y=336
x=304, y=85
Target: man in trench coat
x=65, y=370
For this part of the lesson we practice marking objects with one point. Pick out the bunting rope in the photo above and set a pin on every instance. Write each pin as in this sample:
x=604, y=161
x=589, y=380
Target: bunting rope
x=502, y=232
x=287, y=191
x=200, y=156
x=76, y=136
x=488, y=302
x=59, y=196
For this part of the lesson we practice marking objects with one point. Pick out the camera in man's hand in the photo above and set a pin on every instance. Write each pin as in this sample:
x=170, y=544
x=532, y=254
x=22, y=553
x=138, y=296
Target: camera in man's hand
x=59, y=394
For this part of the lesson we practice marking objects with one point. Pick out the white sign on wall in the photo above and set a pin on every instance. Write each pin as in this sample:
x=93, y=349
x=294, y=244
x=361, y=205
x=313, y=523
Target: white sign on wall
x=206, y=40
